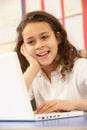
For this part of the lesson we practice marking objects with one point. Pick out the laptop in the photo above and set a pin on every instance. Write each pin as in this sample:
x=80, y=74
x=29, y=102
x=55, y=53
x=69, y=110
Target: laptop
x=15, y=104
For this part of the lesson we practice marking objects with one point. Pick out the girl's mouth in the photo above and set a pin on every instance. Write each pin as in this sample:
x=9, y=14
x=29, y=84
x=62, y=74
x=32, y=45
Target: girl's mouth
x=43, y=54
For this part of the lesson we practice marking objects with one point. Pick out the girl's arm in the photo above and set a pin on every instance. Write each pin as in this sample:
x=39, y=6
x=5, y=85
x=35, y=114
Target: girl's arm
x=62, y=105
x=32, y=70
x=30, y=74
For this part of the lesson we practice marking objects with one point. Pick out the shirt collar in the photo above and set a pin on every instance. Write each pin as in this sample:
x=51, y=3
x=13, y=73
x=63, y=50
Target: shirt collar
x=55, y=72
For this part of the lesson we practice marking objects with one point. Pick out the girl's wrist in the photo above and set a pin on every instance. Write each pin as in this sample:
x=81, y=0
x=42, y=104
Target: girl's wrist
x=35, y=66
x=78, y=105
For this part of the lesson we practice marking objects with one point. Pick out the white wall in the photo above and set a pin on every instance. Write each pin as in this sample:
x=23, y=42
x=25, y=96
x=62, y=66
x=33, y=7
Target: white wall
x=10, y=16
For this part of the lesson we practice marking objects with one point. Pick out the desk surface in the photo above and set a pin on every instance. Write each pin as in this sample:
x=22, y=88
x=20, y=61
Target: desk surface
x=78, y=123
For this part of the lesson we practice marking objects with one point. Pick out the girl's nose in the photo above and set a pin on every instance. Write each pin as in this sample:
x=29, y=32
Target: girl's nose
x=39, y=45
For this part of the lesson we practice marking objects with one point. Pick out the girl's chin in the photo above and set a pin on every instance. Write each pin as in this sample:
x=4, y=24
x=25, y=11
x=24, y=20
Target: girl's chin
x=45, y=64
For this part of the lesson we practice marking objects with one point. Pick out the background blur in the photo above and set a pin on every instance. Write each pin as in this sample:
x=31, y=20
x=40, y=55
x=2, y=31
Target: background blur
x=71, y=13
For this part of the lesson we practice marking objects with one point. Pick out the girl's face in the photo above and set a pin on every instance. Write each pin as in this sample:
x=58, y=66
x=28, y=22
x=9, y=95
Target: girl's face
x=40, y=42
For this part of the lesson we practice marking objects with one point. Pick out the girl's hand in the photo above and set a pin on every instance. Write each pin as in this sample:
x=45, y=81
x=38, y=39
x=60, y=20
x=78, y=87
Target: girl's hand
x=30, y=59
x=55, y=106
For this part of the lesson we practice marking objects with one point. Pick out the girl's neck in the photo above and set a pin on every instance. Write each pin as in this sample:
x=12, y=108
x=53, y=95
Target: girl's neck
x=48, y=69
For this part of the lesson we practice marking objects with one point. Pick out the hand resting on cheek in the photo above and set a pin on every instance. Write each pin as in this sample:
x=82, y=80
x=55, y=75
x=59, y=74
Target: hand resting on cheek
x=28, y=56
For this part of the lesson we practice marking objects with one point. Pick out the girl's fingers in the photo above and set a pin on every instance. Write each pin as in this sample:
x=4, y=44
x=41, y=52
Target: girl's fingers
x=24, y=52
x=47, y=107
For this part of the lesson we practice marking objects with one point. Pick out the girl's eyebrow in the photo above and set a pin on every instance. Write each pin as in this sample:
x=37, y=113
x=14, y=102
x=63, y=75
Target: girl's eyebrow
x=29, y=38
x=44, y=33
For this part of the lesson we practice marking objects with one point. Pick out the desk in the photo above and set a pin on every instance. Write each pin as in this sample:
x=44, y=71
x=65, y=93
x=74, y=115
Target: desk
x=74, y=123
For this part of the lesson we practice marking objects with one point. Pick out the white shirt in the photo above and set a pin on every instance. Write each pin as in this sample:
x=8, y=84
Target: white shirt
x=74, y=87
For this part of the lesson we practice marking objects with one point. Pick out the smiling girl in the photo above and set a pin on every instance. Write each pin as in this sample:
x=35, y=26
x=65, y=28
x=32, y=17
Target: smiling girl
x=54, y=72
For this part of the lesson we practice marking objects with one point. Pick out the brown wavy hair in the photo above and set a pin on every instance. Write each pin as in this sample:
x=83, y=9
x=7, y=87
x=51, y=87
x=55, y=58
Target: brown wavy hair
x=67, y=53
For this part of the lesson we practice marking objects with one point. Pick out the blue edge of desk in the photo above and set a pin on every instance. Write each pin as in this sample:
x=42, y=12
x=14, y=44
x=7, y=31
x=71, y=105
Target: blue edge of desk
x=80, y=121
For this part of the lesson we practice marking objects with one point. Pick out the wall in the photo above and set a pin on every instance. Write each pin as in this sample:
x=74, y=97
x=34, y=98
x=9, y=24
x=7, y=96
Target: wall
x=71, y=13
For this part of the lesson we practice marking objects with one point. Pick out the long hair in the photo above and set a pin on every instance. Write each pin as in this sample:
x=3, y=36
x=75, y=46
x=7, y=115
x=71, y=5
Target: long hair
x=67, y=53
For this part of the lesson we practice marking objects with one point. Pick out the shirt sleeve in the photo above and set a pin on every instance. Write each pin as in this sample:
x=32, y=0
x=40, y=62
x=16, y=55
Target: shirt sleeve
x=82, y=76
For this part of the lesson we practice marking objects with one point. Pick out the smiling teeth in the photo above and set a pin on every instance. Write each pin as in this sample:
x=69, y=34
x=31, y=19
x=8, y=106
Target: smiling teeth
x=43, y=54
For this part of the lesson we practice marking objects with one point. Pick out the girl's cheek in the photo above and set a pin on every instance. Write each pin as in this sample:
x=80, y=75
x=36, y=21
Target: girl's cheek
x=30, y=51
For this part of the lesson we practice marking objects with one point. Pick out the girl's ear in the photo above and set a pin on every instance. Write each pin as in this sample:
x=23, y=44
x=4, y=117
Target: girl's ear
x=59, y=37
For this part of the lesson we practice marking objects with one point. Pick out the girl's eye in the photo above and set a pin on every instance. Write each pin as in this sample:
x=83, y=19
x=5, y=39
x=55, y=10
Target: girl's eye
x=45, y=37
x=30, y=42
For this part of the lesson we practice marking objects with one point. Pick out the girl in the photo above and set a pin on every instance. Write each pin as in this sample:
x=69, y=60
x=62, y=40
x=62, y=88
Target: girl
x=54, y=73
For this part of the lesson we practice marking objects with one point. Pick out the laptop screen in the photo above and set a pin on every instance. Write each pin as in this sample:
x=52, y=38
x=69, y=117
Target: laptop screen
x=14, y=101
